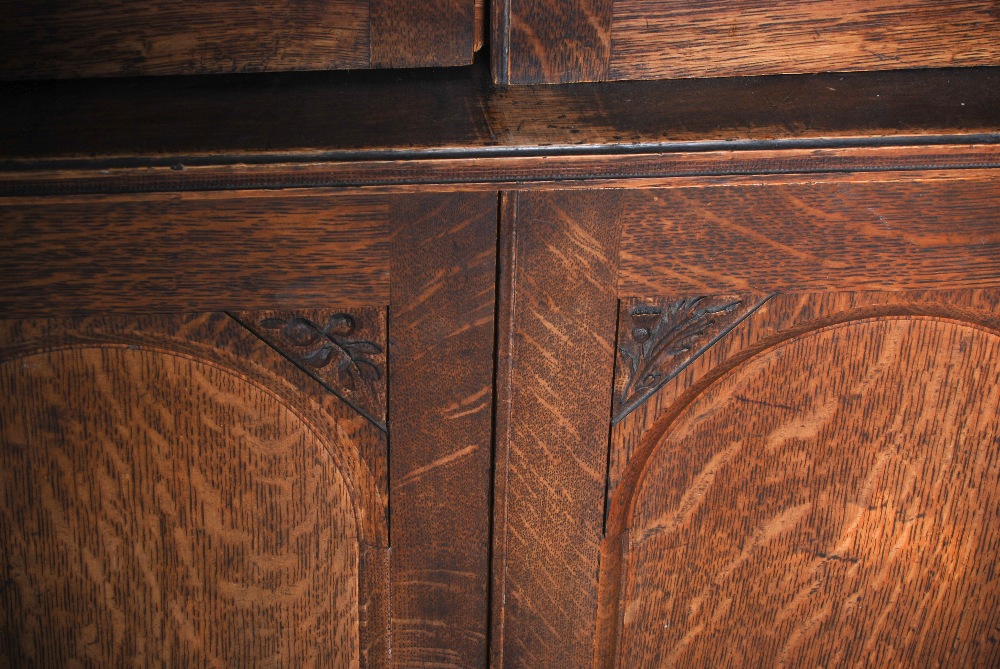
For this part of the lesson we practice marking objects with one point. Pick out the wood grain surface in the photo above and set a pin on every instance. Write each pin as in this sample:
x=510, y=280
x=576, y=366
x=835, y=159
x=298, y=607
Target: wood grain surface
x=872, y=234
x=829, y=502
x=445, y=127
x=771, y=319
x=101, y=38
x=555, y=360
x=551, y=41
x=441, y=317
x=425, y=33
x=653, y=39
x=192, y=253
x=93, y=38
x=127, y=540
x=777, y=319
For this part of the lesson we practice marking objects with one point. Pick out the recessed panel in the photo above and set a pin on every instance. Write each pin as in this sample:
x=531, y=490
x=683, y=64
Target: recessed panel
x=833, y=501
x=157, y=508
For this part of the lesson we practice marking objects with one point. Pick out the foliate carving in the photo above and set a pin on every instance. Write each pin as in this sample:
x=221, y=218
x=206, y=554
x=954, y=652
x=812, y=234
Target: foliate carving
x=343, y=349
x=333, y=342
x=657, y=340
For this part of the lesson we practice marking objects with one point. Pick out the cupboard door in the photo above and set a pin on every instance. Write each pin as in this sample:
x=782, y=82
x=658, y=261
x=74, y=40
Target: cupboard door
x=213, y=483
x=750, y=422
x=100, y=38
x=603, y=40
x=175, y=491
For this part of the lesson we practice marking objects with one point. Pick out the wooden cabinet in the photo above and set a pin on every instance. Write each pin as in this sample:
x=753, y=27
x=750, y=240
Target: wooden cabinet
x=750, y=422
x=603, y=40
x=416, y=372
x=100, y=38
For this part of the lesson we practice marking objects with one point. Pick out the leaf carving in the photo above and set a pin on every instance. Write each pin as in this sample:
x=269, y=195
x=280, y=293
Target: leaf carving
x=331, y=342
x=659, y=340
x=343, y=350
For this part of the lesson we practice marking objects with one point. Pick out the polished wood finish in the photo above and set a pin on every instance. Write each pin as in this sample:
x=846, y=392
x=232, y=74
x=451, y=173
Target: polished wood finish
x=902, y=330
x=667, y=40
x=419, y=365
x=839, y=520
x=441, y=316
x=643, y=170
x=100, y=38
x=765, y=319
x=555, y=363
x=93, y=38
x=545, y=515
x=192, y=253
x=68, y=527
x=176, y=492
x=657, y=241
x=550, y=41
x=425, y=33
x=560, y=41
x=897, y=233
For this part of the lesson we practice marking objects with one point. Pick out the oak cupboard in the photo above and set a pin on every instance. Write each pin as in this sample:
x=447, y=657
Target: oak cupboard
x=539, y=376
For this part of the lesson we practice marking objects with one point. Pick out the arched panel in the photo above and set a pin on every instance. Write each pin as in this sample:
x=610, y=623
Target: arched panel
x=158, y=507
x=832, y=500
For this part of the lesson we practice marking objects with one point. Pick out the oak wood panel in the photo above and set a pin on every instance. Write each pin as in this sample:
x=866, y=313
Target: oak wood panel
x=105, y=484
x=893, y=235
x=551, y=41
x=195, y=253
x=829, y=502
x=441, y=318
x=374, y=606
x=769, y=321
x=427, y=33
x=555, y=361
x=128, y=539
x=93, y=38
x=654, y=39
x=106, y=38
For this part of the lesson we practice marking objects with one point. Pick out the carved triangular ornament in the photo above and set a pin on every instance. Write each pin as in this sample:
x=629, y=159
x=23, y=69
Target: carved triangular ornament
x=343, y=349
x=659, y=338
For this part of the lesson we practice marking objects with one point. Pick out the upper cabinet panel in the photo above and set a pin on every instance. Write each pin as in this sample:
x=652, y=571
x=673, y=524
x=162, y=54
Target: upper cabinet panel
x=101, y=38
x=557, y=41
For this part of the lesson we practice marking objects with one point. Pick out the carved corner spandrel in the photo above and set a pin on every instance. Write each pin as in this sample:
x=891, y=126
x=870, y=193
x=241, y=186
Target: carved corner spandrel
x=342, y=349
x=657, y=338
